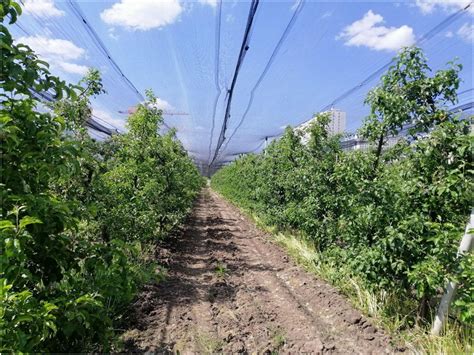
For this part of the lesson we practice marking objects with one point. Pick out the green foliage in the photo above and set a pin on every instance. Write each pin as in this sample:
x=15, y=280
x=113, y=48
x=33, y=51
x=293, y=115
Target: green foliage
x=407, y=95
x=26, y=321
x=221, y=270
x=77, y=216
x=465, y=293
x=397, y=227
x=150, y=183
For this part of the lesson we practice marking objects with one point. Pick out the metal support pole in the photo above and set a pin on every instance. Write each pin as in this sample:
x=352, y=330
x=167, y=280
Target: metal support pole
x=441, y=314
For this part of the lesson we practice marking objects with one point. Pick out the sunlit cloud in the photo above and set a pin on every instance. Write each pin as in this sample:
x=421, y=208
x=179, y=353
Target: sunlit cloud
x=42, y=8
x=59, y=53
x=369, y=32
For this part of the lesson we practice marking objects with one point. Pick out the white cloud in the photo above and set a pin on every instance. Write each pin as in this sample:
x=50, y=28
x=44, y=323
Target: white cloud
x=326, y=14
x=160, y=104
x=466, y=32
x=73, y=68
x=142, y=14
x=42, y=8
x=428, y=6
x=163, y=105
x=112, y=34
x=449, y=34
x=106, y=116
x=369, y=32
x=53, y=48
x=212, y=3
x=294, y=5
x=59, y=53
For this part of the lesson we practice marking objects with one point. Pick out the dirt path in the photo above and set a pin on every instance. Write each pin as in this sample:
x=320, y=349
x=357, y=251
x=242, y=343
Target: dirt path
x=230, y=289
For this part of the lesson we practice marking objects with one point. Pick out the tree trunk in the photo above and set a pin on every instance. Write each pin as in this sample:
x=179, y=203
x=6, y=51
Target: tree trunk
x=379, y=152
x=422, y=310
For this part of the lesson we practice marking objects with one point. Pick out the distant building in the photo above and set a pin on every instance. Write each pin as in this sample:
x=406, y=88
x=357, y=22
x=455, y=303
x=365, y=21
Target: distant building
x=337, y=125
x=356, y=142
x=338, y=121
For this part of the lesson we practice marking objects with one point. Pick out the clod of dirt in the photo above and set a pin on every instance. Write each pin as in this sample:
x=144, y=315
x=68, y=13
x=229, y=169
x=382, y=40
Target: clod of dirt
x=311, y=347
x=238, y=347
x=354, y=318
x=220, y=291
x=370, y=330
x=329, y=347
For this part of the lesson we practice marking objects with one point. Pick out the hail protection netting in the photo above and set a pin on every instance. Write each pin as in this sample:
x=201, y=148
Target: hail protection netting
x=231, y=75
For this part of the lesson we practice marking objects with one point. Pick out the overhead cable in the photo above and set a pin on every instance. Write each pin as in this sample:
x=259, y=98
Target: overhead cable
x=101, y=46
x=91, y=123
x=284, y=35
x=95, y=37
x=216, y=73
x=243, y=50
x=464, y=107
x=427, y=36
x=430, y=34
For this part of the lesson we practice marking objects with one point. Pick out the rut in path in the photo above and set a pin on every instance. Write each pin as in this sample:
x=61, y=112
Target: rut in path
x=229, y=289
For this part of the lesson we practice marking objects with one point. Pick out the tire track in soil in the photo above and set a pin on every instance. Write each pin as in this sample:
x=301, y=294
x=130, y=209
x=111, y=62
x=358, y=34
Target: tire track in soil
x=229, y=289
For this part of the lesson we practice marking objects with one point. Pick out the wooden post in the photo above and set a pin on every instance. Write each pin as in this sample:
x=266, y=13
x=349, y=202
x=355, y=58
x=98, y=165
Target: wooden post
x=441, y=314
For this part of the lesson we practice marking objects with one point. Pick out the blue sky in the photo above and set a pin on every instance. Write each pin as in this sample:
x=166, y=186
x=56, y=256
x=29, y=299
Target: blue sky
x=170, y=46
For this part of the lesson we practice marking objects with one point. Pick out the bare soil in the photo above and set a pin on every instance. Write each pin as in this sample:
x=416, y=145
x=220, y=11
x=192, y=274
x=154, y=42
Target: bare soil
x=230, y=289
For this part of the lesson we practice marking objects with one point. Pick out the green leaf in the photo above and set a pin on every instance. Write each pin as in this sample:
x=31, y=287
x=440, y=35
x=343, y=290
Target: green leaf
x=17, y=7
x=27, y=220
x=23, y=319
x=5, y=224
